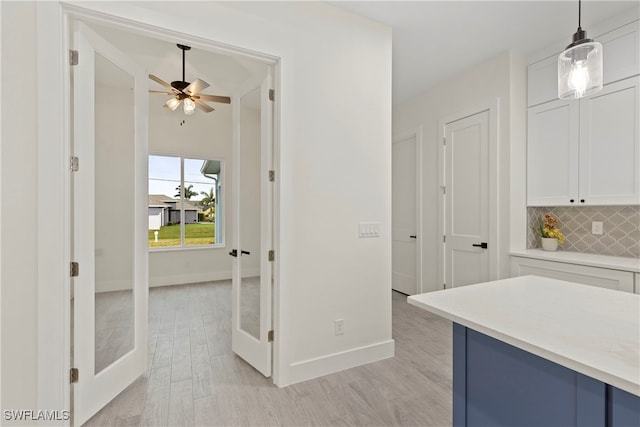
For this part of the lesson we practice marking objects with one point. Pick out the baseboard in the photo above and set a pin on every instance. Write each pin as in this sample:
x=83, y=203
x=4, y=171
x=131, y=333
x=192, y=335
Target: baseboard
x=113, y=285
x=329, y=364
x=180, y=279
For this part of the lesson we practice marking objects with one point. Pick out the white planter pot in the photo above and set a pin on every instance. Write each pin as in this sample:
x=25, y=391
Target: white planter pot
x=549, y=244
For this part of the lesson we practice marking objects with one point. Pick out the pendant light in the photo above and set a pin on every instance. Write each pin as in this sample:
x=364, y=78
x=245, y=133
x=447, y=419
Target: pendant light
x=580, y=65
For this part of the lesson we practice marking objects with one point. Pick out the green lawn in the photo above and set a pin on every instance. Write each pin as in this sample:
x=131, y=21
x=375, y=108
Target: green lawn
x=195, y=234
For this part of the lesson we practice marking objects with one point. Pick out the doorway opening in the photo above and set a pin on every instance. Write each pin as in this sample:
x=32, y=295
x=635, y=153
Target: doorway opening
x=194, y=302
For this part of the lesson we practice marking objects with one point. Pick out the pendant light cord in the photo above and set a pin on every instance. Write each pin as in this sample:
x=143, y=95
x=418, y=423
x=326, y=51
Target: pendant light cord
x=579, y=14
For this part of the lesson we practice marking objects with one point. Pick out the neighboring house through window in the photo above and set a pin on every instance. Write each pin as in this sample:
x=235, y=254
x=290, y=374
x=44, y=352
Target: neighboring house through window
x=185, y=202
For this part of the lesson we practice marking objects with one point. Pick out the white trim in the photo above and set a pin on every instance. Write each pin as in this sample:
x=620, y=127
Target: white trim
x=416, y=133
x=335, y=362
x=493, y=107
x=275, y=224
x=53, y=358
x=1, y=405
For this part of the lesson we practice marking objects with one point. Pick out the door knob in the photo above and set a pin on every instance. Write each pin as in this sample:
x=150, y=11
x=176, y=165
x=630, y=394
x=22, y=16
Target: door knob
x=245, y=253
x=413, y=237
x=482, y=245
x=234, y=252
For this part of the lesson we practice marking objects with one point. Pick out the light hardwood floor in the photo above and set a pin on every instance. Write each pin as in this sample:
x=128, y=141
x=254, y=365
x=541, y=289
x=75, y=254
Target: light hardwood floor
x=195, y=380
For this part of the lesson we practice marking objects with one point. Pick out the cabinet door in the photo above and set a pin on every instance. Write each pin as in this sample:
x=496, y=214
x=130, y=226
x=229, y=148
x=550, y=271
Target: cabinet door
x=552, y=154
x=587, y=275
x=620, y=52
x=609, y=145
x=542, y=81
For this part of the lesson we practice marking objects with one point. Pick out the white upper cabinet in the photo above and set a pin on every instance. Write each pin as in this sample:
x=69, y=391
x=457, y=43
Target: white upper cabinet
x=542, y=81
x=621, y=52
x=609, y=148
x=621, y=59
x=587, y=151
x=552, y=153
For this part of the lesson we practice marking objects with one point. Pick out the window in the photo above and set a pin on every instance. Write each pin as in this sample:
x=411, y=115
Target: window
x=185, y=208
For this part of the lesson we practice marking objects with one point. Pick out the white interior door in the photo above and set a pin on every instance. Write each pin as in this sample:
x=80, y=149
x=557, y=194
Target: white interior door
x=404, y=207
x=110, y=292
x=252, y=237
x=466, y=218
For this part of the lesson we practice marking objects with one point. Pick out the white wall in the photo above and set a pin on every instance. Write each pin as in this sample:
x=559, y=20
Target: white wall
x=502, y=78
x=202, y=136
x=19, y=208
x=334, y=169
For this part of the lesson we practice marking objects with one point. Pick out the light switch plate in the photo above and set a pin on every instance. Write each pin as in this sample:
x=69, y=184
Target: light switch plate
x=596, y=227
x=369, y=229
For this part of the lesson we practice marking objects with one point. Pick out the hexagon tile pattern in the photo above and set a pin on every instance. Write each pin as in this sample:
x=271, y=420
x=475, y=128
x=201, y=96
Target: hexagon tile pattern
x=621, y=229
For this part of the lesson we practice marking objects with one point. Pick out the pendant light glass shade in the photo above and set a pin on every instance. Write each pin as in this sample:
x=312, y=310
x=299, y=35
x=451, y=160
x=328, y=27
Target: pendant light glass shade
x=580, y=70
x=580, y=65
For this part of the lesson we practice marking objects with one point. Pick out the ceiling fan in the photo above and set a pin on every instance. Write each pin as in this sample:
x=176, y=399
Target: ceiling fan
x=188, y=94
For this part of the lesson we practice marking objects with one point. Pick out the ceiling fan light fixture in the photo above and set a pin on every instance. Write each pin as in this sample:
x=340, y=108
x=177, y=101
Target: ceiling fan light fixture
x=173, y=103
x=188, y=94
x=580, y=65
x=188, y=106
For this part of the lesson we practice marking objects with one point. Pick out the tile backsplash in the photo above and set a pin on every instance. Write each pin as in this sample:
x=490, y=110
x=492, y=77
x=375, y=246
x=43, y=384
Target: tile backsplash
x=621, y=229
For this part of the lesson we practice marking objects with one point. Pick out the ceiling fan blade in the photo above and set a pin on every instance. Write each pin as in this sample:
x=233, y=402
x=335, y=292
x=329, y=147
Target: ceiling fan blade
x=214, y=98
x=196, y=86
x=162, y=92
x=173, y=103
x=163, y=83
x=201, y=105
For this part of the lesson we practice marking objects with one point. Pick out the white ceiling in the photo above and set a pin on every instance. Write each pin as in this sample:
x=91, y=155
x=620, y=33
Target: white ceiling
x=224, y=72
x=434, y=40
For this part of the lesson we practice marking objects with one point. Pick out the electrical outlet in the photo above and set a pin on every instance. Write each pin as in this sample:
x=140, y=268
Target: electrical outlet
x=339, y=324
x=596, y=227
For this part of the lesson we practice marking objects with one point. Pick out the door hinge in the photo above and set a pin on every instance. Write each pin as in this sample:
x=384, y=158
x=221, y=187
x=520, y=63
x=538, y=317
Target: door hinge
x=73, y=375
x=270, y=336
x=444, y=140
x=272, y=175
x=444, y=189
x=272, y=255
x=73, y=57
x=75, y=269
x=75, y=164
x=444, y=239
x=272, y=95
x=444, y=286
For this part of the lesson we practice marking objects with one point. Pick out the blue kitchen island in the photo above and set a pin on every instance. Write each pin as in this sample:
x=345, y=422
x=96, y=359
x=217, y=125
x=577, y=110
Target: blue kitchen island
x=533, y=351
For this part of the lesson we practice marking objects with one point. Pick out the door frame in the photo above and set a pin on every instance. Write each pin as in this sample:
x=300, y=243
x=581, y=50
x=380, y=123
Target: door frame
x=416, y=133
x=53, y=36
x=495, y=174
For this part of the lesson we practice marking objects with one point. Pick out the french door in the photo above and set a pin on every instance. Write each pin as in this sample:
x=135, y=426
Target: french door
x=109, y=217
x=252, y=231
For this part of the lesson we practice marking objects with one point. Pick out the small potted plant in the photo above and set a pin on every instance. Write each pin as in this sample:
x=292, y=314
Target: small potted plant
x=550, y=235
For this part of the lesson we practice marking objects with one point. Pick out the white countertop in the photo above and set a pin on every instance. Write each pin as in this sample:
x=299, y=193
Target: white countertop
x=590, y=330
x=593, y=260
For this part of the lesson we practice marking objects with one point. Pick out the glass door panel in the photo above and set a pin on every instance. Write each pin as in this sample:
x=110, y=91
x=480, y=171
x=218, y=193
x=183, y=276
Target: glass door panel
x=114, y=216
x=249, y=199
